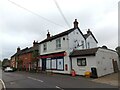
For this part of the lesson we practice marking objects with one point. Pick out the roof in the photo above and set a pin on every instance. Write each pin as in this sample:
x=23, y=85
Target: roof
x=84, y=52
x=27, y=50
x=60, y=35
x=88, y=34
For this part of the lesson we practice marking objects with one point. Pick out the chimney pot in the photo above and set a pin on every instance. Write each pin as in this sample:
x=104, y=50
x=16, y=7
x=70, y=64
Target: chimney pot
x=75, y=23
x=48, y=34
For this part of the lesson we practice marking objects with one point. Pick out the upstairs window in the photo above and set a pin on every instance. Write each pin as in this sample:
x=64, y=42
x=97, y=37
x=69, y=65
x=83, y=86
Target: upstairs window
x=88, y=45
x=82, y=42
x=45, y=47
x=58, y=43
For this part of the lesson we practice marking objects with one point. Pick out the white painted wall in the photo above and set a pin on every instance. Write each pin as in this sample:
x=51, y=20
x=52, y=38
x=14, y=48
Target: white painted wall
x=73, y=36
x=104, y=61
x=91, y=41
x=80, y=70
x=51, y=46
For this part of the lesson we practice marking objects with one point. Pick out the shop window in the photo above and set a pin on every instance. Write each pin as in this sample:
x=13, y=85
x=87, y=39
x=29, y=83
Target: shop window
x=54, y=66
x=48, y=63
x=60, y=64
x=81, y=61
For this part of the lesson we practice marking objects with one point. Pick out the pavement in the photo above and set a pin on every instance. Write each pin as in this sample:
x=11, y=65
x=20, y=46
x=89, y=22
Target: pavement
x=111, y=79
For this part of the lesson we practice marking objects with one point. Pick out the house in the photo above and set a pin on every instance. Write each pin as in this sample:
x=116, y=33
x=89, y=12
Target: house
x=99, y=61
x=55, y=50
x=26, y=59
x=13, y=62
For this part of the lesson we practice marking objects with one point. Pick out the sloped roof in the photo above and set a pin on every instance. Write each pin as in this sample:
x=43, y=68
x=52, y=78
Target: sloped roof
x=88, y=34
x=60, y=35
x=84, y=52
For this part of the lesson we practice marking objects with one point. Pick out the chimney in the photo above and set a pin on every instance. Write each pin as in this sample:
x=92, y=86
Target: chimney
x=89, y=32
x=34, y=43
x=75, y=24
x=48, y=35
x=18, y=49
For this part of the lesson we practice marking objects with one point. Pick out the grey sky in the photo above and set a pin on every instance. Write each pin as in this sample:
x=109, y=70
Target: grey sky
x=19, y=27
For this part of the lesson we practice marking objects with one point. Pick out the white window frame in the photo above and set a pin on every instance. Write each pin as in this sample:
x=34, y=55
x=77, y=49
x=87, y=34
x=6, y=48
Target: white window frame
x=80, y=61
x=58, y=43
x=82, y=42
x=44, y=47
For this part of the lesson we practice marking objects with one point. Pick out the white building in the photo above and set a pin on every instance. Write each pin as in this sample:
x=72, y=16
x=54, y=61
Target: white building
x=55, y=50
x=99, y=61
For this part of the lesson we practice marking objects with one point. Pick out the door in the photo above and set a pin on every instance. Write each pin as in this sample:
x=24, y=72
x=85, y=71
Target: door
x=43, y=64
x=115, y=66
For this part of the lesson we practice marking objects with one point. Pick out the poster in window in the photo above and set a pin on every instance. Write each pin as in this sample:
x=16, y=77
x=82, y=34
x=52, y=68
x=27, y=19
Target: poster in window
x=48, y=64
x=54, y=64
x=60, y=64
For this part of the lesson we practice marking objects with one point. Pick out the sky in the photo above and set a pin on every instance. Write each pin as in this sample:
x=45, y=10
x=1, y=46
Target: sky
x=23, y=21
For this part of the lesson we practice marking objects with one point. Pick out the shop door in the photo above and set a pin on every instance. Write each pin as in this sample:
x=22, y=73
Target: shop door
x=43, y=64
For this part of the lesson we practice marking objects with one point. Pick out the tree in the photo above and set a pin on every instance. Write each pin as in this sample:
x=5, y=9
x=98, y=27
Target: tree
x=5, y=63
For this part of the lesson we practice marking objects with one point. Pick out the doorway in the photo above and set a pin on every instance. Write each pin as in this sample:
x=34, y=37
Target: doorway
x=43, y=64
x=115, y=65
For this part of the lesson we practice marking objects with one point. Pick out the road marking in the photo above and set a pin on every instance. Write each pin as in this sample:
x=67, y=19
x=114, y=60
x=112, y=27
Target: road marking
x=35, y=79
x=4, y=88
x=59, y=88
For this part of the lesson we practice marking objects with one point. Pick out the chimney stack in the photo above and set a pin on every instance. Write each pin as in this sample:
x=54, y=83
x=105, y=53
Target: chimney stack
x=75, y=24
x=48, y=35
x=34, y=43
x=18, y=49
x=88, y=32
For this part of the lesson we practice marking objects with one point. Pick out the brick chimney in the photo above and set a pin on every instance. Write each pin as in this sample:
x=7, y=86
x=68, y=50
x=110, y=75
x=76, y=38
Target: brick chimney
x=89, y=32
x=35, y=43
x=18, y=49
x=48, y=35
x=75, y=24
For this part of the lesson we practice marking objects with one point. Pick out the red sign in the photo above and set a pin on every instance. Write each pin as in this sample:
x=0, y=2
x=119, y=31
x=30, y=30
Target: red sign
x=53, y=55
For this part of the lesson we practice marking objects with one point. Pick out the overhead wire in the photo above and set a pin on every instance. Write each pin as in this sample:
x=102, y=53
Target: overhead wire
x=35, y=14
x=58, y=7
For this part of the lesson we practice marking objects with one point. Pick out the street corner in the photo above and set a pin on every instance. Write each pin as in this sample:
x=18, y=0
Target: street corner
x=2, y=85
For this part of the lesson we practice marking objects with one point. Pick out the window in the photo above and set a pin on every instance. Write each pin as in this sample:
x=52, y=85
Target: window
x=54, y=64
x=45, y=47
x=60, y=64
x=58, y=43
x=81, y=61
x=88, y=45
x=82, y=42
x=48, y=63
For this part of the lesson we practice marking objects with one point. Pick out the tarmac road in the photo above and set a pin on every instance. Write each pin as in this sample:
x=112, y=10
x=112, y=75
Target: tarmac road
x=21, y=79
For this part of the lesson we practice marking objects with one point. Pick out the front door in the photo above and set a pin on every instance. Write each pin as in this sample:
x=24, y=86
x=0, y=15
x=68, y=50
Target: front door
x=43, y=64
x=115, y=65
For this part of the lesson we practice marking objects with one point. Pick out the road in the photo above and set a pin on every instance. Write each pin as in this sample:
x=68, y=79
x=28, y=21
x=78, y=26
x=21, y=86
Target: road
x=21, y=79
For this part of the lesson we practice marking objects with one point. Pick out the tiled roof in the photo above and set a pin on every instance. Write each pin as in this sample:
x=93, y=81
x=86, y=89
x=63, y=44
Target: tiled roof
x=88, y=34
x=84, y=52
x=58, y=35
x=27, y=50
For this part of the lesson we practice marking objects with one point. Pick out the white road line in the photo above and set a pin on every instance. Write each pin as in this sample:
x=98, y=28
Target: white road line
x=4, y=88
x=59, y=88
x=35, y=79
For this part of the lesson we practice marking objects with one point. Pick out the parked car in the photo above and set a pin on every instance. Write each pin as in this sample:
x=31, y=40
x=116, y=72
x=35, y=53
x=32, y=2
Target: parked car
x=8, y=69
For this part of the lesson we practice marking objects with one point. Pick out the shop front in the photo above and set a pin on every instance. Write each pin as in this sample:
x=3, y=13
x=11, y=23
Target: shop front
x=53, y=61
